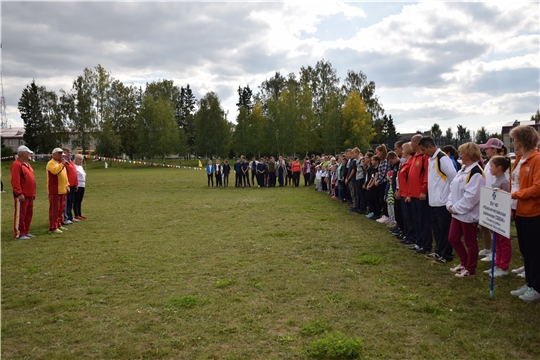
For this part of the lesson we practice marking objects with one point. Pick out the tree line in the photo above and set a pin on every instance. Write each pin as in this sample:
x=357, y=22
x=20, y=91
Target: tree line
x=311, y=111
x=295, y=114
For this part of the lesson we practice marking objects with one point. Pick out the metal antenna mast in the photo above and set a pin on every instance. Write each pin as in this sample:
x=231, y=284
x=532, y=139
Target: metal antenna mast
x=3, y=119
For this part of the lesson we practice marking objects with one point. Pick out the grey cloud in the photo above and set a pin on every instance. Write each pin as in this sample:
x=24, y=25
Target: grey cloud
x=506, y=81
x=157, y=35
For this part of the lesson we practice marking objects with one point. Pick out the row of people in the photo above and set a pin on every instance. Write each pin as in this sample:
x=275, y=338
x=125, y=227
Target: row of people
x=267, y=171
x=418, y=181
x=66, y=181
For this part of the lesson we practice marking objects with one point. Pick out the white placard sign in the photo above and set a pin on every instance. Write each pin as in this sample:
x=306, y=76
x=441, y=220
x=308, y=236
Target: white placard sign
x=495, y=210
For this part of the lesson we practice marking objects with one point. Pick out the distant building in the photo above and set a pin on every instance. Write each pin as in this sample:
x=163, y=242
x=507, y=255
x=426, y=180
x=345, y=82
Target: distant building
x=508, y=142
x=12, y=137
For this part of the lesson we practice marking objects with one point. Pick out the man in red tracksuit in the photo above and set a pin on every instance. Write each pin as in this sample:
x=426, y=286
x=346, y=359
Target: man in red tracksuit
x=73, y=187
x=23, y=183
x=418, y=194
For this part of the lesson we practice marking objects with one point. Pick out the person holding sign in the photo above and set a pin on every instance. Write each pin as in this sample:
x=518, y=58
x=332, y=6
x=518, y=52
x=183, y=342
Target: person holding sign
x=503, y=248
x=464, y=205
x=527, y=172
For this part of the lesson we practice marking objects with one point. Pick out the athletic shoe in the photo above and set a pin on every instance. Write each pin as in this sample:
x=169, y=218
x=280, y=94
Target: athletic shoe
x=23, y=237
x=62, y=228
x=384, y=219
x=484, y=252
x=30, y=235
x=458, y=268
x=497, y=272
x=67, y=222
x=518, y=270
x=75, y=219
x=56, y=231
x=521, y=291
x=395, y=232
x=464, y=273
x=441, y=260
x=414, y=248
x=406, y=242
x=522, y=275
x=487, y=258
x=530, y=296
x=422, y=251
x=370, y=215
x=432, y=256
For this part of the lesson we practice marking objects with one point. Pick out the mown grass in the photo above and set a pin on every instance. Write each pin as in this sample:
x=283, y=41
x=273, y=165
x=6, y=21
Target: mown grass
x=165, y=268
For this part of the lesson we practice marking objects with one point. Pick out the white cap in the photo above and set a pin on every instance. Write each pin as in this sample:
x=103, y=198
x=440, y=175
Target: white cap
x=24, y=148
x=57, y=150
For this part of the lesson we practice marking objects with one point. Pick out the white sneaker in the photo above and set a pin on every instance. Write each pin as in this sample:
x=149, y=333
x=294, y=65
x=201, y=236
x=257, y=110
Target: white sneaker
x=382, y=219
x=484, y=252
x=530, y=296
x=68, y=222
x=487, y=258
x=464, y=273
x=522, y=275
x=498, y=272
x=522, y=290
x=518, y=270
x=458, y=268
x=75, y=220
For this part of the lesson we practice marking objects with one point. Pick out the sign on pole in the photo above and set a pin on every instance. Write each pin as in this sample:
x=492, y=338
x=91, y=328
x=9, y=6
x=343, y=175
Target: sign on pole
x=495, y=208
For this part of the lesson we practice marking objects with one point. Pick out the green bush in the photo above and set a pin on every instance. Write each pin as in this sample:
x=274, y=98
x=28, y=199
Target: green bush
x=334, y=346
x=316, y=327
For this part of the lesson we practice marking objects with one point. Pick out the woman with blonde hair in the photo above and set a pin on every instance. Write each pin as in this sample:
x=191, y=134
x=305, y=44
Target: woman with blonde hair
x=464, y=205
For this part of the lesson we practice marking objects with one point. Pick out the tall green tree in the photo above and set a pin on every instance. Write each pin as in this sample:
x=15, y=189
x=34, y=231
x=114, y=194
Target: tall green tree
x=185, y=117
x=449, y=137
x=357, y=80
x=101, y=82
x=212, y=129
x=463, y=135
x=536, y=117
x=79, y=111
x=482, y=135
x=436, y=131
x=256, y=131
x=44, y=128
x=107, y=140
x=307, y=123
x=356, y=122
x=121, y=111
x=158, y=129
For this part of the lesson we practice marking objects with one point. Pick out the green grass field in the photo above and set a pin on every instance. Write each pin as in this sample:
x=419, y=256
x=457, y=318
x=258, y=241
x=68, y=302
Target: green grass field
x=165, y=268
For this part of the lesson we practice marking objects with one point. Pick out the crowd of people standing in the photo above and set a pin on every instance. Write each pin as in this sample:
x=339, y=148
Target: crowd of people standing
x=65, y=189
x=428, y=197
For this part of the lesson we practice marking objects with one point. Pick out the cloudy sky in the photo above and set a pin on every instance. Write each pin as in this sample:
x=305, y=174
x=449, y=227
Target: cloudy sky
x=475, y=64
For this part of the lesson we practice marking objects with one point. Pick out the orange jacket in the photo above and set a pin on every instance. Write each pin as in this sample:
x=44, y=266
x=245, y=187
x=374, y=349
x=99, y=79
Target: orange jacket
x=528, y=195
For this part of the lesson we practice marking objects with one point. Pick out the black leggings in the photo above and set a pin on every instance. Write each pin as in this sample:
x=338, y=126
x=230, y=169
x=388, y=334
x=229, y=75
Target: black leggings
x=210, y=179
x=79, y=194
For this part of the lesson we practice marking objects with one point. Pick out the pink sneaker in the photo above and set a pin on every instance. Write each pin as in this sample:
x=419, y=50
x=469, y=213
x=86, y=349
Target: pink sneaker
x=384, y=219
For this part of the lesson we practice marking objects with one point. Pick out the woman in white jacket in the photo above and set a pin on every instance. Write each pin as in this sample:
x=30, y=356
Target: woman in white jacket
x=464, y=205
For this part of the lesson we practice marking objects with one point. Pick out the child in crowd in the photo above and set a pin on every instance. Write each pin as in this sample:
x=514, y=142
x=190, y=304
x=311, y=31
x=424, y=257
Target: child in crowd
x=374, y=203
x=390, y=199
x=333, y=180
x=318, y=178
x=323, y=178
x=503, y=247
